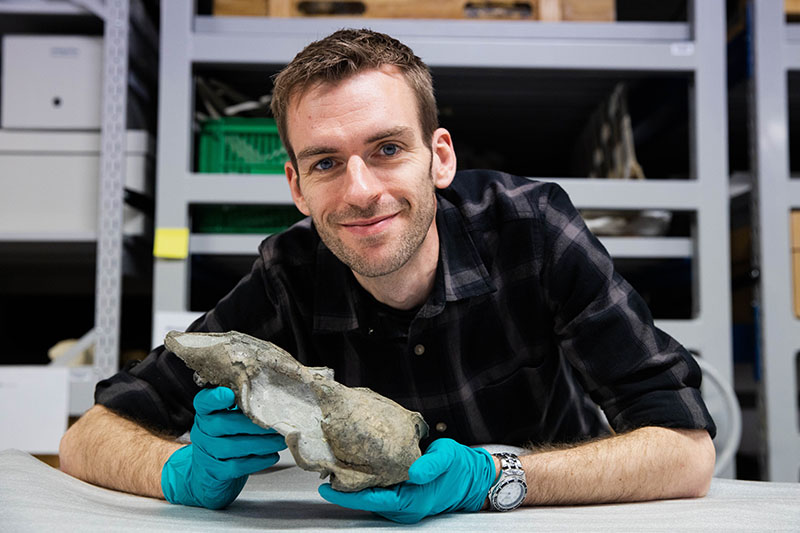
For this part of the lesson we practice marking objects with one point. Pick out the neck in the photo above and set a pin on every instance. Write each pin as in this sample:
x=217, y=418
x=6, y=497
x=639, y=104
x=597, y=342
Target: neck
x=410, y=285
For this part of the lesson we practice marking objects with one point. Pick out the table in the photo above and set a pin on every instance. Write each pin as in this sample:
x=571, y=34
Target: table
x=37, y=497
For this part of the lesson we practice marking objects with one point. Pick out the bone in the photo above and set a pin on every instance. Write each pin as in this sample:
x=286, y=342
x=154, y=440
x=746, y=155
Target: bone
x=354, y=435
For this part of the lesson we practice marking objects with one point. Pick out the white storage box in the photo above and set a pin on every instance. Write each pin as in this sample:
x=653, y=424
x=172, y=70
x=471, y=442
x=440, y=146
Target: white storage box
x=34, y=414
x=49, y=183
x=51, y=82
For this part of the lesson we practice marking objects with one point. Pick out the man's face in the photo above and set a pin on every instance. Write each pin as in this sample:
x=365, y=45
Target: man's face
x=364, y=174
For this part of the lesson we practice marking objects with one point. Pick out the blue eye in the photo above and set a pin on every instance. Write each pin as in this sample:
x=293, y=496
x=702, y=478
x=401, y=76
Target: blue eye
x=389, y=149
x=325, y=164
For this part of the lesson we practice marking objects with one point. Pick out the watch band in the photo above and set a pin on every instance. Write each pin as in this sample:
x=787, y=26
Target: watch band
x=510, y=487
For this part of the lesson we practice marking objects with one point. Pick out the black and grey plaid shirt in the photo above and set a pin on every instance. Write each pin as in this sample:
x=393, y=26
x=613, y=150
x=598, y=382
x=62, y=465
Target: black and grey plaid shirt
x=527, y=330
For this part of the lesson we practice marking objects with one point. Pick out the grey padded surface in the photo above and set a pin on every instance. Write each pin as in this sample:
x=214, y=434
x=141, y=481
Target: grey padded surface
x=37, y=497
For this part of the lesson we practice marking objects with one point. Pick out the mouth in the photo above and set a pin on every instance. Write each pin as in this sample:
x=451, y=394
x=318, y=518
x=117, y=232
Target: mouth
x=369, y=226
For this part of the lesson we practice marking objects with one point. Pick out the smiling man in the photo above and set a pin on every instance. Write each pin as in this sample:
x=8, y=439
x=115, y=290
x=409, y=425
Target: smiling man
x=477, y=298
x=370, y=188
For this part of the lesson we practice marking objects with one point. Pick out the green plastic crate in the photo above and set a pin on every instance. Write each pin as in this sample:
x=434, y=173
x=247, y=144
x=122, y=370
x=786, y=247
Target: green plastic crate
x=244, y=218
x=241, y=145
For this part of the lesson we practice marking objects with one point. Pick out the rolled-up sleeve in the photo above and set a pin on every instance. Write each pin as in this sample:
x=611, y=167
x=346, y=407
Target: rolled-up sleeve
x=636, y=373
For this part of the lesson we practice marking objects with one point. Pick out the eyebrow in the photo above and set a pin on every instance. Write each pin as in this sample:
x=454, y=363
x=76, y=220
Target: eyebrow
x=398, y=131
x=313, y=151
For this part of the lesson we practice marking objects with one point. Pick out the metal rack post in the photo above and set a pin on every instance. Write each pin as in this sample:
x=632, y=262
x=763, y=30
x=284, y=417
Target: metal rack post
x=776, y=51
x=108, y=290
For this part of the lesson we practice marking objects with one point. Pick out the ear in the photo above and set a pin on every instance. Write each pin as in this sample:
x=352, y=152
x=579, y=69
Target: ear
x=294, y=187
x=444, y=158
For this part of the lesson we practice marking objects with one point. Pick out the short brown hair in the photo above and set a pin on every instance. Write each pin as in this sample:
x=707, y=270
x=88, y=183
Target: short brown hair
x=343, y=54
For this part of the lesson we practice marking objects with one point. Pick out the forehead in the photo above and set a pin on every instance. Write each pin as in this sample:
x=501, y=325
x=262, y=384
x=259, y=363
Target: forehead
x=372, y=98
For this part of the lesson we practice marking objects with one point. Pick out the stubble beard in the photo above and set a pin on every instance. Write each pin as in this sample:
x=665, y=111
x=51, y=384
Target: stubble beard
x=402, y=251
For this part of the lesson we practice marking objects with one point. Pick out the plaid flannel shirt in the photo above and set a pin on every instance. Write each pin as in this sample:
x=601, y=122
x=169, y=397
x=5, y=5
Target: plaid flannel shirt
x=527, y=330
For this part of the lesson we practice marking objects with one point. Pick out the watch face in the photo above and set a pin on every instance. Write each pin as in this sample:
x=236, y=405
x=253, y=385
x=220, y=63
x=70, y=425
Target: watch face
x=510, y=495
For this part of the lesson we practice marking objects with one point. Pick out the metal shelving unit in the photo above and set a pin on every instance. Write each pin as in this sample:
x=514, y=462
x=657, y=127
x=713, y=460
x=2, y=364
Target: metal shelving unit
x=776, y=53
x=696, y=49
x=114, y=15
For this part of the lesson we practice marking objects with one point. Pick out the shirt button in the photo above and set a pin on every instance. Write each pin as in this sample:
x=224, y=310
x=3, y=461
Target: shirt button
x=419, y=349
x=441, y=427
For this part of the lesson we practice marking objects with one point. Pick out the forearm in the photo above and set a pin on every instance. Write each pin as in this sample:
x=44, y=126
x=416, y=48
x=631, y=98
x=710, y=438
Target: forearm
x=108, y=450
x=646, y=464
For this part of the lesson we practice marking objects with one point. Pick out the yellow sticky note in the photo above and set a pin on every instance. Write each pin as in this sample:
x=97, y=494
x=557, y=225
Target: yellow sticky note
x=171, y=243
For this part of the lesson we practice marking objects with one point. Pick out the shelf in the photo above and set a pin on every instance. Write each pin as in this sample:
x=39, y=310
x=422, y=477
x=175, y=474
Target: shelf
x=648, y=247
x=587, y=193
x=40, y=7
x=76, y=237
x=681, y=195
x=460, y=43
x=316, y=27
x=618, y=247
x=227, y=244
x=236, y=189
x=50, y=17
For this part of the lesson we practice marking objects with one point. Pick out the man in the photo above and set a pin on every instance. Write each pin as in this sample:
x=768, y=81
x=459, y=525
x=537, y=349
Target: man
x=479, y=299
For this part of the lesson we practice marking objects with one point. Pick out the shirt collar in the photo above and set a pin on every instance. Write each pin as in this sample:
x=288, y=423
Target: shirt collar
x=463, y=273
x=460, y=274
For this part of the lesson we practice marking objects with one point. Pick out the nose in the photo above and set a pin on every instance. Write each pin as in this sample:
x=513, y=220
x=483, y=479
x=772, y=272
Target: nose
x=362, y=187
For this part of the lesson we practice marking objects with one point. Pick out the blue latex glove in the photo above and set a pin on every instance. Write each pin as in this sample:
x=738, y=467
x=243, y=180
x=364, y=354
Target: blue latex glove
x=226, y=447
x=448, y=477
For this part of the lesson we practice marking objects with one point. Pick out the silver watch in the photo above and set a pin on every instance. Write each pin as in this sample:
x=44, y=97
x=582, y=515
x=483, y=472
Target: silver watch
x=510, y=488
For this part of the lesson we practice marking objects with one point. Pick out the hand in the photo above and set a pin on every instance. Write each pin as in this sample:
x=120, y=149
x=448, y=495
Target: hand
x=448, y=477
x=226, y=447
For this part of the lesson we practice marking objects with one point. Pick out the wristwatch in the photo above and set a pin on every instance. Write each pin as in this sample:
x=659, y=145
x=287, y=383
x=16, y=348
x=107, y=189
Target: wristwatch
x=510, y=488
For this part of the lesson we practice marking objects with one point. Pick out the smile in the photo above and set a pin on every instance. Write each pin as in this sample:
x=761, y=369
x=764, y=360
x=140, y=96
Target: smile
x=369, y=226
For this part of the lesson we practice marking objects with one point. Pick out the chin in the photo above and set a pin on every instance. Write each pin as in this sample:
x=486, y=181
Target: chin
x=374, y=267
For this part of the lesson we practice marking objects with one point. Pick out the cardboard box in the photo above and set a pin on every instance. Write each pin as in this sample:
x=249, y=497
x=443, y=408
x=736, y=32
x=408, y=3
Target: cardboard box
x=50, y=182
x=51, y=82
x=424, y=9
x=584, y=10
x=550, y=10
x=795, y=239
x=241, y=8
